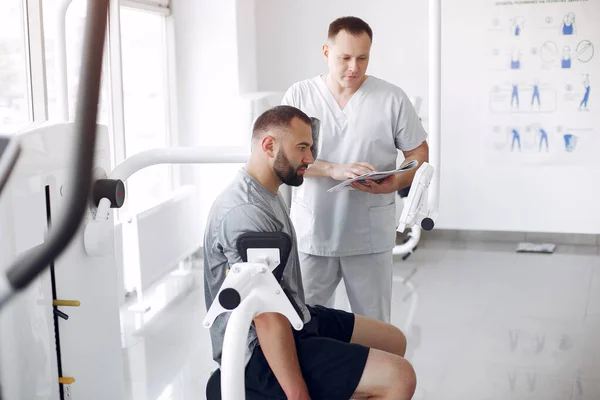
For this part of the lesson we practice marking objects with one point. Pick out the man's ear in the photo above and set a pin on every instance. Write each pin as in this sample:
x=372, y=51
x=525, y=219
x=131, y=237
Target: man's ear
x=268, y=145
x=325, y=50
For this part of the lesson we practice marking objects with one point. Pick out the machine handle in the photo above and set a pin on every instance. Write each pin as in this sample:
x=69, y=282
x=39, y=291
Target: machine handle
x=111, y=189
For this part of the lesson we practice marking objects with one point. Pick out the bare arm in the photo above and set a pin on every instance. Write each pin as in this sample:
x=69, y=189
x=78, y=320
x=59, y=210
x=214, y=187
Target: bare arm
x=421, y=154
x=399, y=181
x=340, y=172
x=277, y=343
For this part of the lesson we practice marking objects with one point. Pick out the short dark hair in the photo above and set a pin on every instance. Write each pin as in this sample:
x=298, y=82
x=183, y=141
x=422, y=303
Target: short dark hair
x=353, y=25
x=277, y=117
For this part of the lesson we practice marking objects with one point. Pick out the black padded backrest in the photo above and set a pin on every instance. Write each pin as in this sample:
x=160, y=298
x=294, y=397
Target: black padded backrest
x=265, y=240
x=403, y=193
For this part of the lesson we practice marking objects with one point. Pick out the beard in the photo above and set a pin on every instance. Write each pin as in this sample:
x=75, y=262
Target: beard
x=286, y=172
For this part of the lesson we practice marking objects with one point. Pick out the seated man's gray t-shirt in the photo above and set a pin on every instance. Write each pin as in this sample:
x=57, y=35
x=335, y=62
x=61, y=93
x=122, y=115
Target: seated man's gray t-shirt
x=245, y=206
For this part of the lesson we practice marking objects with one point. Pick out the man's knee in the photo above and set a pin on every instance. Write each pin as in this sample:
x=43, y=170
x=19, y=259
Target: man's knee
x=400, y=342
x=396, y=341
x=387, y=376
x=404, y=380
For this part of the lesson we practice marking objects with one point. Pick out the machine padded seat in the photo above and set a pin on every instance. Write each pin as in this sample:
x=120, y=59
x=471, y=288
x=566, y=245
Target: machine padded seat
x=403, y=193
x=213, y=389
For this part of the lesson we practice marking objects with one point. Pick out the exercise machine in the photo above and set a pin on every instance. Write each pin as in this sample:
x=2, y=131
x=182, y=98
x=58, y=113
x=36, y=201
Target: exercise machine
x=250, y=288
x=416, y=213
x=31, y=263
x=109, y=192
x=421, y=206
x=9, y=153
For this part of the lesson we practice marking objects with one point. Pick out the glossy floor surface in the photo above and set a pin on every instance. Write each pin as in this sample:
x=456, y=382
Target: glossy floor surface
x=489, y=324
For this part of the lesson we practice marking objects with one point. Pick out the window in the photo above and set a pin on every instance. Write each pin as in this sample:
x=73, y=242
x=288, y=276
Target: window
x=145, y=96
x=74, y=29
x=14, y=99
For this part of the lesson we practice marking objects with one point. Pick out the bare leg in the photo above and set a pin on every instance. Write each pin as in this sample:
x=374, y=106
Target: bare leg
x=378, y=335
x=386, y=376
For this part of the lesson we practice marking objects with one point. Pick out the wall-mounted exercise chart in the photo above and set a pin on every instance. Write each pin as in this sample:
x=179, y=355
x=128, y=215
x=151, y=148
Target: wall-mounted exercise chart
x=542, y=64
x=520, y=115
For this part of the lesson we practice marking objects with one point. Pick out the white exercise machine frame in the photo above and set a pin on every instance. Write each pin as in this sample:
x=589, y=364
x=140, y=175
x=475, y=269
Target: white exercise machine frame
x=29, y=264
x=259, y=293
x=96, y=239
x=423, y=204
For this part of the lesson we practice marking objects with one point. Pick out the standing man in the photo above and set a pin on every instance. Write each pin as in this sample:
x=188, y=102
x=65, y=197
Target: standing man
x=364, y=122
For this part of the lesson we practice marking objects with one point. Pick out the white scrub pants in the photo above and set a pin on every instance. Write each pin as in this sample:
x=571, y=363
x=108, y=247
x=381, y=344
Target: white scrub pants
x=368, y=280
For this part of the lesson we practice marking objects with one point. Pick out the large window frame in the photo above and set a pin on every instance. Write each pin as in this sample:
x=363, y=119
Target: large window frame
x=37, y=75
x=16, y=70
x=147, y=122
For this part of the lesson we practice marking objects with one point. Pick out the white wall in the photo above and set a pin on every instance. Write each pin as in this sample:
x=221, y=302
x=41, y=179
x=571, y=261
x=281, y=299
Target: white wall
x=290, y=34
x=210, y=112
x=207, y=67
x=246, y=36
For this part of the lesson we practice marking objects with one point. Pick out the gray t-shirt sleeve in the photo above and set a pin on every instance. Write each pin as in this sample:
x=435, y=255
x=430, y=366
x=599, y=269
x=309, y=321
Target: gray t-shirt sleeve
x=242, y=219
x=409, y=130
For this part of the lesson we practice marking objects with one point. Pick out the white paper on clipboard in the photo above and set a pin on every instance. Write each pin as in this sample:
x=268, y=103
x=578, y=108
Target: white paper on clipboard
x=376, y=176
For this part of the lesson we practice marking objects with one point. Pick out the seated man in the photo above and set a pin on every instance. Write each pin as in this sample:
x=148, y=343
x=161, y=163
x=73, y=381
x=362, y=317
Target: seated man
x=337, y=355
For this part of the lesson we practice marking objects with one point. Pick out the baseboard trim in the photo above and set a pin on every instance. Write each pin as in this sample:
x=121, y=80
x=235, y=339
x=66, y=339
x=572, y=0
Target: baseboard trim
x=507, y=236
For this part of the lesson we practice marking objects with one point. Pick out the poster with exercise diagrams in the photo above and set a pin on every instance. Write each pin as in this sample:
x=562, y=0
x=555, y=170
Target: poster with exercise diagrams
x=542, y=65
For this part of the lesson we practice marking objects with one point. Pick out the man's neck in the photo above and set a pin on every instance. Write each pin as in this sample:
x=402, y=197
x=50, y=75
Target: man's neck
x=341, y=94
x=336, y=89
x=263, y=175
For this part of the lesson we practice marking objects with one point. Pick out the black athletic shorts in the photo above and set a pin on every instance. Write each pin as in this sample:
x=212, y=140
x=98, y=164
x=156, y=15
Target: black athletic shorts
x=330, y=364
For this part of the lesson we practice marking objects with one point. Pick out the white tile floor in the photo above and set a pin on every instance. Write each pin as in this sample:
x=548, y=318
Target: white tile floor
x=490, y=324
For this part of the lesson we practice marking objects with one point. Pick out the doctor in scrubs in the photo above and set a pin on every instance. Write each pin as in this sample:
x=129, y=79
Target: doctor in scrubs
x=364, y=122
